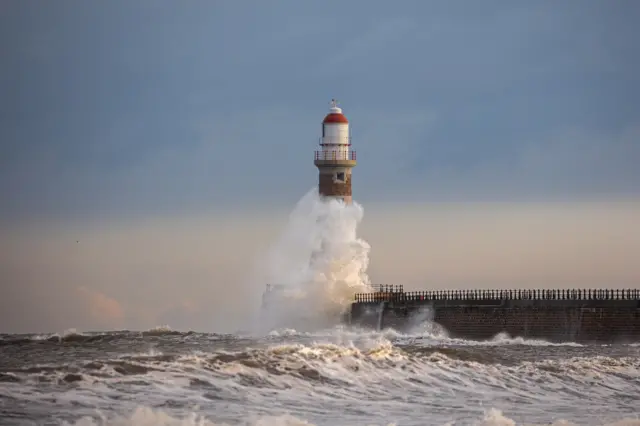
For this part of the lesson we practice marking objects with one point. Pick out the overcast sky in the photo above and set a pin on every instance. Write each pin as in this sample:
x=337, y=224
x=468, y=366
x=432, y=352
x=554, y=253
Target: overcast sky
x=111, y=111
x=149, y=105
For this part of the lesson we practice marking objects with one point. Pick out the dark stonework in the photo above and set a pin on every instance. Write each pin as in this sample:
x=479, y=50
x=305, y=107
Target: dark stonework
x=328, y=187
x=552, y=320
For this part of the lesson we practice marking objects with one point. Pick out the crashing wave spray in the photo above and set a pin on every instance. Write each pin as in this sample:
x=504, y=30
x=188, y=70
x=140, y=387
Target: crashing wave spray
x=317, y=265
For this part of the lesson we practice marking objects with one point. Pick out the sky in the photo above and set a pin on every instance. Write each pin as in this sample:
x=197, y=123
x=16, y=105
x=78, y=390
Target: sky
x=497, y=142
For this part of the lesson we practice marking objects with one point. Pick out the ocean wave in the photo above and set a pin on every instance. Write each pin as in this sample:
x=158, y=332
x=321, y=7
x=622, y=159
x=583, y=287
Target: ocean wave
x=370, y=377
x=332, y=363
x=422, y=335
x=419, y=336
x=77, y=337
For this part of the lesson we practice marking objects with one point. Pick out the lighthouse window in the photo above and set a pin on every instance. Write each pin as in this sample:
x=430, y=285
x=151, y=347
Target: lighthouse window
x=340, y=176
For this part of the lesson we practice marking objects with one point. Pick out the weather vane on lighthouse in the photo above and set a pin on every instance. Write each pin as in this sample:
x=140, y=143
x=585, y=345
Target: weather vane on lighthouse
x=335, y=159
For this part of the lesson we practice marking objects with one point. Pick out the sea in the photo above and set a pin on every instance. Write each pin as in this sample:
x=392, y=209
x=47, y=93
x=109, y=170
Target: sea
x=339, y=376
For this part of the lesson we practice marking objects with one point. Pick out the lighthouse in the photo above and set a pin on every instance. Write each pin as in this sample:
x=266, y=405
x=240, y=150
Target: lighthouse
x=335, y=159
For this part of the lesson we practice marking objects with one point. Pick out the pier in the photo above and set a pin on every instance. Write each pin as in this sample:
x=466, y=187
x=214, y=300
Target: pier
x=579, y=315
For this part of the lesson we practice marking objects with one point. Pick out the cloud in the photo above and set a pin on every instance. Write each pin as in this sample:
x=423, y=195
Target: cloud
x=505, y=245
x=375, y=39
x=101, y=308
x=184, y=314
x=444, y=101
x=590, y=157
x=570, y=162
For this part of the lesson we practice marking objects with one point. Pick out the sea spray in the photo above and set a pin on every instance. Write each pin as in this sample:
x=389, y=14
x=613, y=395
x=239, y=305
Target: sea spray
x=317, y=264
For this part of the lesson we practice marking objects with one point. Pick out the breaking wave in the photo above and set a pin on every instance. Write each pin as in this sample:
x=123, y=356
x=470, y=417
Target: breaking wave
x=335, y=377
x=317, y=265
x=331, y=361
x=74, y=336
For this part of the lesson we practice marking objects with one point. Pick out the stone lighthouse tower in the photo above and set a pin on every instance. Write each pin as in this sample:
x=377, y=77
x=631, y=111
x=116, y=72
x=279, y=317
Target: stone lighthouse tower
x=335, y=158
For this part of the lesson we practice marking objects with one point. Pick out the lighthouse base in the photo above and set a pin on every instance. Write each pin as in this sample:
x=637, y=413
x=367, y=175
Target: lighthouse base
x=347, y=199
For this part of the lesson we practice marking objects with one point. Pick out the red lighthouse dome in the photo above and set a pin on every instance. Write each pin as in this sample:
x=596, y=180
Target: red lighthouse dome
x=335, y=115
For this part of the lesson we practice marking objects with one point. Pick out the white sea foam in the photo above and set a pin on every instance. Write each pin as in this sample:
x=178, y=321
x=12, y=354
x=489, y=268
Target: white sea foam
x=351, y=382
x=319, y=261
x=426, y=333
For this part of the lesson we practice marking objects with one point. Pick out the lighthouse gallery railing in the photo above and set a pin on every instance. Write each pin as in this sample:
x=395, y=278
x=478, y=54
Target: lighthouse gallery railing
x=335, y=155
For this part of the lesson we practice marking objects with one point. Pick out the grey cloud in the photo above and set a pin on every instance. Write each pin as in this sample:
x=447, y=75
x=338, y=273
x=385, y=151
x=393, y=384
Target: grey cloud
x=104, y=116
x=571, y=163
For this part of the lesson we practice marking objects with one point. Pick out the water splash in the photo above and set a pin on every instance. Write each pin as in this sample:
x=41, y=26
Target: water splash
x=380, y=315
x=318, y=263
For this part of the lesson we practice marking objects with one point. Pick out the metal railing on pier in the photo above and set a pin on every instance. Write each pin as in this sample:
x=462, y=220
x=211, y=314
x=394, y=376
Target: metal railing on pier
x=384, y=292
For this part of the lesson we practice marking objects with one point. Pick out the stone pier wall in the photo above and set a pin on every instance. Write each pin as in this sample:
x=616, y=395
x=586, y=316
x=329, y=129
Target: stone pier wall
x=552, y=320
